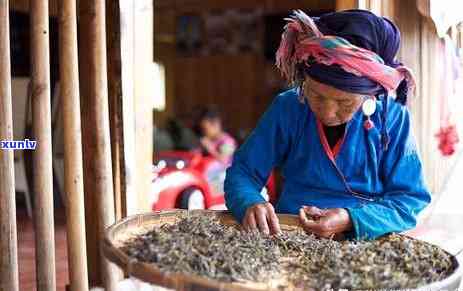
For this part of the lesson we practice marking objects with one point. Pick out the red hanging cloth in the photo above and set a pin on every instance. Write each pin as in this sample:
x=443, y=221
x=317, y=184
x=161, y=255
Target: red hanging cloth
x=448, y=134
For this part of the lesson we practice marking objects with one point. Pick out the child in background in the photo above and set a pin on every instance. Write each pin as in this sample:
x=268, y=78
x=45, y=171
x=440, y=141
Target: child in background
x=215, y=140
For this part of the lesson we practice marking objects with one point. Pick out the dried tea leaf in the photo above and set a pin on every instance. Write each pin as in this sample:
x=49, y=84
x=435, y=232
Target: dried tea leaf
x=201, y=245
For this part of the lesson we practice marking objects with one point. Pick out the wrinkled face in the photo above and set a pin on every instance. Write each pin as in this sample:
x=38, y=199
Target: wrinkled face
x=211, y=128
x=330, y=105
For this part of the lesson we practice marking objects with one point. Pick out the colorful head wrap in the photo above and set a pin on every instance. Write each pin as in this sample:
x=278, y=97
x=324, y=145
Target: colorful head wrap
x=352, y=50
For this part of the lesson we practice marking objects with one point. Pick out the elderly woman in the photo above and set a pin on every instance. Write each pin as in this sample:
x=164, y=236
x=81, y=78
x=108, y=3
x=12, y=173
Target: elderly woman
x=342, y=136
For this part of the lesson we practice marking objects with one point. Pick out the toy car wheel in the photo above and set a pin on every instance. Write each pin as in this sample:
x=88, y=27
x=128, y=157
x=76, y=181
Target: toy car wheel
x=192, y=199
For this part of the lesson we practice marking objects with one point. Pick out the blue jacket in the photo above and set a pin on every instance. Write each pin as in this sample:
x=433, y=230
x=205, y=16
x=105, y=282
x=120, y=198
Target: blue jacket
x=287, y=136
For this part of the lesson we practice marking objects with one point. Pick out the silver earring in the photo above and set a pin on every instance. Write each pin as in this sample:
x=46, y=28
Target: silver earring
x=369, y=108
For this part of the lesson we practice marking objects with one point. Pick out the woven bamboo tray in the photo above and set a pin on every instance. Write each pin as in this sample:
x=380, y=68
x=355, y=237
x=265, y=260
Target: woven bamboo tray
x=131, y=226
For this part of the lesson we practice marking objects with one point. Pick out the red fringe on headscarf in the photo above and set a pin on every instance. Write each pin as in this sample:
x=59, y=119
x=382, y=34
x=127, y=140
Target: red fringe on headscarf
x=300, y=26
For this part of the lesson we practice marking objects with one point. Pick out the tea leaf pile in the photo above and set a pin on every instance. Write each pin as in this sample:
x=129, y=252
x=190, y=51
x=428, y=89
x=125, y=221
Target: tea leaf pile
x=201, y=245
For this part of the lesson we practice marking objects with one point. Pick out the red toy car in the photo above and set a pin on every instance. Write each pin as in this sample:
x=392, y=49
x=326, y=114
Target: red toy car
x=190, y=180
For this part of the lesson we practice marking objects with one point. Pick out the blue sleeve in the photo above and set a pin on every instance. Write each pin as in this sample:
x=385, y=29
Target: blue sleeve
x=405, y=193
x=253, y=162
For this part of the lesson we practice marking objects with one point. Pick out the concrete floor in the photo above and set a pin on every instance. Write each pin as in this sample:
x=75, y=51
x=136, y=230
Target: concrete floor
x=26, y=251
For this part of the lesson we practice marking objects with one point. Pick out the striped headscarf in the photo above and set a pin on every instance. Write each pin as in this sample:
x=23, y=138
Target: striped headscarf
x=352, y=50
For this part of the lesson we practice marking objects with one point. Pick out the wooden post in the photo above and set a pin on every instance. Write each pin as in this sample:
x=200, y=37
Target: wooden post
x=460, y=35
x=8, y=236
x=144, y=102
x=98, y=143
x=74, y=187
x=43, y=173
x=115, y=101
x=89, y=151
x=128, y=156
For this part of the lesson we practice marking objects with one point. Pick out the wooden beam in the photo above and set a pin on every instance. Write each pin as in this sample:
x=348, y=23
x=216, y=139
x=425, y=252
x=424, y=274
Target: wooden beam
x=8, y=232
x=97, y=124
x=43, y=173
x=73, y=171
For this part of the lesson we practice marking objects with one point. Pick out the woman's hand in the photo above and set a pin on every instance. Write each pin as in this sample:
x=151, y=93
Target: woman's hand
x=325, y=223
x=261, y=217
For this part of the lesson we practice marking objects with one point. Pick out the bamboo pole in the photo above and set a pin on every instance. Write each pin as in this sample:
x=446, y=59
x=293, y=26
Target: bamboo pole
x=8, y=235
x=128, y=156
x=74, y=187
x=88, y=145
x=115, y=99
x=458, y=42
x=43, y=173
x=460, y=33
x=144, y=102
x=97, y=101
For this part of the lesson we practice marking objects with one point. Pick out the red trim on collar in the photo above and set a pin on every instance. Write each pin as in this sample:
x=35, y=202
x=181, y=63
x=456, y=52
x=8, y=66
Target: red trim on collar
x=337, y=147
x=332, y=154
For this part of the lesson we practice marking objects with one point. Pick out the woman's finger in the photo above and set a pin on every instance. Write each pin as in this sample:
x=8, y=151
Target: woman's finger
x=309, y=223
x=313, y=226
x=261, y=217
x=273, y=221
x=250, y=222
x=314, y=211
x=303, y=216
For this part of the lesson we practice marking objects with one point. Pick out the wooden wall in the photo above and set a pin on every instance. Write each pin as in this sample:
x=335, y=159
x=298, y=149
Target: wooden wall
x=421, y=51
x=237, y=84
x=267, y=5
